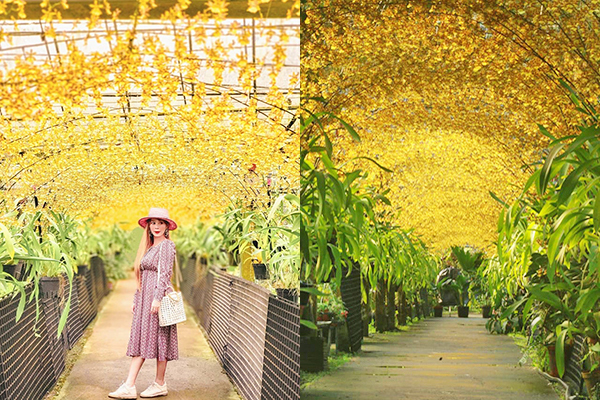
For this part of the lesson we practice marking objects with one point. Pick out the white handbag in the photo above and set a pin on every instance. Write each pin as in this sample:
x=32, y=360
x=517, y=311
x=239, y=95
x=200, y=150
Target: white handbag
x=171, y=309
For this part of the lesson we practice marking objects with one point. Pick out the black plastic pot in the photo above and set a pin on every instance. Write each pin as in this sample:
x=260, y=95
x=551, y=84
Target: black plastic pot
x=13, y=270
x=260, y=271
x=49, y=286
x=288, y=294
x=486, y=311
x=312, y=353
x=463, y=312
x=438, y=311
x=18, y=271
x=342, y=342
x=82, y=269
x=304, y=296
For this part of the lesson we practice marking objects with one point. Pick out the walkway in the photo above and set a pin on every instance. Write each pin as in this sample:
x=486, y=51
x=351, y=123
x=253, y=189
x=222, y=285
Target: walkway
x=197, y=375
x=438, y=358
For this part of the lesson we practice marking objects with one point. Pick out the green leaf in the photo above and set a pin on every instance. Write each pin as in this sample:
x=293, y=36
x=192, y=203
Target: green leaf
x=8, y=241
x=64, y=315
x=374, y=162
x=312, y=290
x=572, y=180
x=21, y=306
x=596, y=215
x=309, y=324
x=545, y=132
x=497, y=199
x=560, y=352
x=512, y=308
x=587, y=301
x=545, y=174
x=547, y=297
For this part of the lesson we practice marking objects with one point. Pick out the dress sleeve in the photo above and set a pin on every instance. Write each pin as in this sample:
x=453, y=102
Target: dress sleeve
x=167, y=256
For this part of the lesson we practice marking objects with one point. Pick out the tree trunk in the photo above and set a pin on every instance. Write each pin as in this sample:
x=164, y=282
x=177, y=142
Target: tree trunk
x=380, y=317
x=425, y=302
x=401, y=306
x=391, y=307
x=406, y=304
x=418, y=310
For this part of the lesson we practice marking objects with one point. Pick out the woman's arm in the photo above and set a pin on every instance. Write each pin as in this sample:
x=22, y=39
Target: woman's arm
x=167, y=257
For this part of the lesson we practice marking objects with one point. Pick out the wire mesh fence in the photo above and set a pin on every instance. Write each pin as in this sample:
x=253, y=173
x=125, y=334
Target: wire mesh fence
x=255, y=335
x=31, y=363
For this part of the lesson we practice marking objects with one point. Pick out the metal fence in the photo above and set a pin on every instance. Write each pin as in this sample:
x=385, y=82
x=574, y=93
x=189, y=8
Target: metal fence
x=255, y=335
x=28, y=370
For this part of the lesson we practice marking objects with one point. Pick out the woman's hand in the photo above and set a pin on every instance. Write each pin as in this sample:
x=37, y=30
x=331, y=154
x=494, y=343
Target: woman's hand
x=155, y=306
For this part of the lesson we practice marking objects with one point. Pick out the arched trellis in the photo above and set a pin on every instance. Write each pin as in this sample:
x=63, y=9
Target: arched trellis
x=235, y=122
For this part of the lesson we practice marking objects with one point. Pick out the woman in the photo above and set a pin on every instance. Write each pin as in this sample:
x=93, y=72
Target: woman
x=147, y=338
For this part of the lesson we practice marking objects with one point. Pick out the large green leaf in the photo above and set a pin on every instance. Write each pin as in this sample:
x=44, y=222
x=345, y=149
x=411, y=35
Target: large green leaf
x=546, y=168
x=560, y=351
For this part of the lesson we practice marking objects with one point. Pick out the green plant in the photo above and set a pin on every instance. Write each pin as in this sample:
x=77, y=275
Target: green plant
x=28, y=241
x=548, y=238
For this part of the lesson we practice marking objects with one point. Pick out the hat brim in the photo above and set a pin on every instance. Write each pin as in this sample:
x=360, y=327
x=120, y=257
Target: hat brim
x=144, y=221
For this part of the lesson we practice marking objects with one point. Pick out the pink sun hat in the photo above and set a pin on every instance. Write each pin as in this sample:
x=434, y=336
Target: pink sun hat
x=159, y=213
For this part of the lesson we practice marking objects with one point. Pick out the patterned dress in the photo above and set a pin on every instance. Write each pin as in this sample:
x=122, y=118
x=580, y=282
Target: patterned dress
x=147, y=338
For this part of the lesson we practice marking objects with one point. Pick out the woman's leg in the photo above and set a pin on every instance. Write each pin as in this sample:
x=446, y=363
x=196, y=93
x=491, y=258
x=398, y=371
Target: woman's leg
x=134, y=369
x=161, y=367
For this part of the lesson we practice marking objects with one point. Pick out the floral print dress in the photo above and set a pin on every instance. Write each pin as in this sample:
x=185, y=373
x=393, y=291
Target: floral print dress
x=147, y=338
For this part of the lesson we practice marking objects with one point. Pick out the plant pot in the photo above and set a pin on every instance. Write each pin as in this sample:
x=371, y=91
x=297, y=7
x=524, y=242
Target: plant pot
x=260, y=271
x=13, y=270
x=82, y=269
x=553, y=370
x=49, y=286
x=592, y=382
x=486, y=311
x=342, y=340
x=463, y=312
x=312, y=353
x=438, y=311
x=288, y=294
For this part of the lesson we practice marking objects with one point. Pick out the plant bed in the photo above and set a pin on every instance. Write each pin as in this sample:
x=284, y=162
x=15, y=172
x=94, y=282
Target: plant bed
x=438, y=311
x=463, y=311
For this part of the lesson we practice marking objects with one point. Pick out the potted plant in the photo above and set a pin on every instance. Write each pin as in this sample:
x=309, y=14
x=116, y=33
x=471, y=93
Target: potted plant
x=323, y=313
x=260, y=271
x=461, y=288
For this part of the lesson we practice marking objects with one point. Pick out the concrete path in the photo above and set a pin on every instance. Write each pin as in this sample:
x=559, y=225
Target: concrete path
x=102, y=365
x=438, y=358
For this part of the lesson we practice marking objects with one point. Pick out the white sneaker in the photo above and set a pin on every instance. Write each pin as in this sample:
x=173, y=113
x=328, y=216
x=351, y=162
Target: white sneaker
x=124, y=392
x=155, y=390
